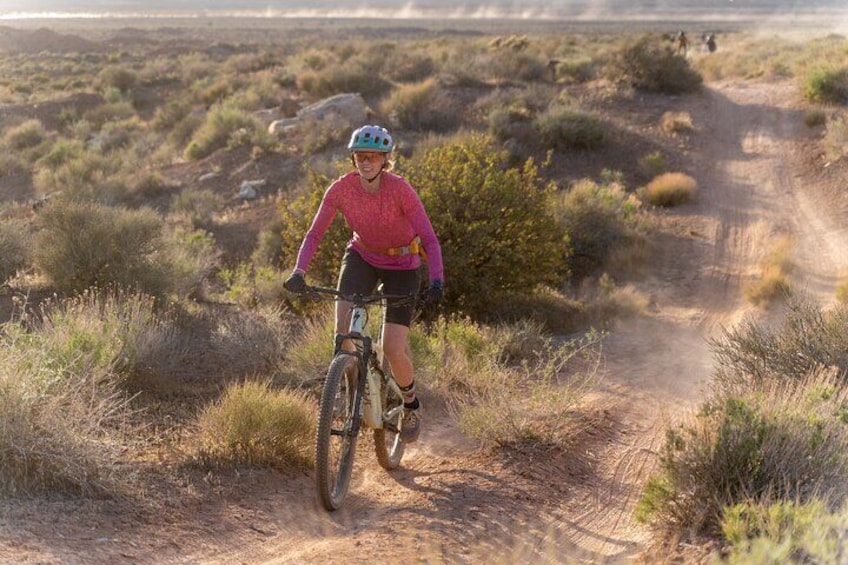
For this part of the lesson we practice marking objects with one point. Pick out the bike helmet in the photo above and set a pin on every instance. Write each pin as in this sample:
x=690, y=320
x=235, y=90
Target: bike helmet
x=371, y=138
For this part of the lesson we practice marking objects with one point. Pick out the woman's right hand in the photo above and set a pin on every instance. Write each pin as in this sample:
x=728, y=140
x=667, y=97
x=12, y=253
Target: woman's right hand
x=295, y=283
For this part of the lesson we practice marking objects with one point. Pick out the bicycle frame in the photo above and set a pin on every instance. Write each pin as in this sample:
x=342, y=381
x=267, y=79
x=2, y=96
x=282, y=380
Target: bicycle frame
x=369, y=363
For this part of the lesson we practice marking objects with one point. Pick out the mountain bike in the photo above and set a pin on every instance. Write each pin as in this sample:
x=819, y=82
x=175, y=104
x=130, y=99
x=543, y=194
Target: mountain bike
x=359, y=389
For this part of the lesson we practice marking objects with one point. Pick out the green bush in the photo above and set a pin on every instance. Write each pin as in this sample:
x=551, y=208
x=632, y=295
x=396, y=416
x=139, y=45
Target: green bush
x=120, y=78
x=494, y=223
x=784, y=441
x=598, y=219
x=15, y=247
x=827, y=86
x=564, y=128
x=647, y=64
x=26, y=135
x=198, y=205
x=85, y=244
x=785, y=532
x=222, y=125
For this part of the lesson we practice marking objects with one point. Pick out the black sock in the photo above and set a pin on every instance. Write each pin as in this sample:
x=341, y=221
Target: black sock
x=414, y=405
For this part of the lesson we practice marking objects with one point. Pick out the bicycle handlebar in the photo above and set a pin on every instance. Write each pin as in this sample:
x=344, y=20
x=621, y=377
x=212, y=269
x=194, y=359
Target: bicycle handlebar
x=356, y=298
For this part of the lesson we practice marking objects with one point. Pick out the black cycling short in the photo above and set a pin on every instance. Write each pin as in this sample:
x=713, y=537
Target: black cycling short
x=357, y=276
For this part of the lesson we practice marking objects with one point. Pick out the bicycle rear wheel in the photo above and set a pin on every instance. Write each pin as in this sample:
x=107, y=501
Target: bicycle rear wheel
x=387, y=443
x=335, y=442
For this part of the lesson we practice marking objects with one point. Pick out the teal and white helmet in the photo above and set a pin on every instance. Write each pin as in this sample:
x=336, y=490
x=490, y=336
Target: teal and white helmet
x=371, y=138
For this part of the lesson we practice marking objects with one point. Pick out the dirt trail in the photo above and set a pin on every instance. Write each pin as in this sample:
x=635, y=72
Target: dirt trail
x=447, y=507
x=452, y=503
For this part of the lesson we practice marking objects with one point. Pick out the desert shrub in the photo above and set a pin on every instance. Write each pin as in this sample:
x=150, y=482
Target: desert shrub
x=15, y=247
x=576, y=70
x=815, y=117
x=670, y=189
x=494, y=223
x=511, y=110
x=508, y=385
x=509, y=65
x=835, y=139
x=565, y=128
x=220, y=126
x=26, y=135
x=782, y=531
x=85, y=244
x=774, y=280
x=63, y=410
x=598, y=218
x=652, y=164
x=419, y=106
x=251, y=285
x=120, y=78
x=783, y=441
x=255, y=425
x=61, y=152
x=109, y=112
x=403, y=66
x=647, y=64
x=187, y=258
x=676, y=122
x=169, y=114
x=827, y=86
x=198, y=205
x=808, y=339
x=89, y=175
x=338, y=79
x=12, y=164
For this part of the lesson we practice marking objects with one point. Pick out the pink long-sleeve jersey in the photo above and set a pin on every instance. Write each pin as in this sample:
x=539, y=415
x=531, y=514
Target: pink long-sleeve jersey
x=390, y=217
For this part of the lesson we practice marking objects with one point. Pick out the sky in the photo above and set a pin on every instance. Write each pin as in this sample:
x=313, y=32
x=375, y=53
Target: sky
x=527, y=9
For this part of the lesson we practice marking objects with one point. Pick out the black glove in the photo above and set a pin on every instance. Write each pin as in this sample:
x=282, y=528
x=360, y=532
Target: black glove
x=435, y=292
x=295, y=283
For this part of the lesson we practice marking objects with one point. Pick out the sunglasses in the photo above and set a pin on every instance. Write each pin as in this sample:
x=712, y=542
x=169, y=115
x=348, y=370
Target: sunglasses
x=368, y=157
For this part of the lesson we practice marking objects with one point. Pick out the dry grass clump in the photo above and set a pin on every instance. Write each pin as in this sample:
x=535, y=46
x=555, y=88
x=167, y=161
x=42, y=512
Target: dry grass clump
x=63, y=411
x=254, y=424
x=16, y=247
x=776, y=267
x=24, y=136
x=670, y=189
x=508, y=386
x=419, y=106
x=676, y=122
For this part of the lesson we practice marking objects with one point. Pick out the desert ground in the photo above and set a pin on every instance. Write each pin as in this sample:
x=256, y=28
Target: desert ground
x=760, y=174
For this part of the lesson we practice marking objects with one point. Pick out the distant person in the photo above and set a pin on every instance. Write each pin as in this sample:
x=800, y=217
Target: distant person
x=711, y=43
x=682, y=43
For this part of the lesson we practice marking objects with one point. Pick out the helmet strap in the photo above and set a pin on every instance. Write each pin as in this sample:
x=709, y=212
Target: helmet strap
x=375, y=176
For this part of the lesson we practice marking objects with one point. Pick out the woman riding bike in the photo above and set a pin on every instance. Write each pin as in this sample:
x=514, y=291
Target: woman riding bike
x=391, y=233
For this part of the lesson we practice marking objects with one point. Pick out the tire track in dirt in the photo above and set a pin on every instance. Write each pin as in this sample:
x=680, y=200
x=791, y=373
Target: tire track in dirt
x=706, y=253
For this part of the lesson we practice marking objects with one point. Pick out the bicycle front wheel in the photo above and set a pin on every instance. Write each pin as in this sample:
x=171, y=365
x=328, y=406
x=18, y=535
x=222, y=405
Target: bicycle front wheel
x=335, y=442
x=387, y=441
